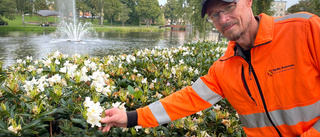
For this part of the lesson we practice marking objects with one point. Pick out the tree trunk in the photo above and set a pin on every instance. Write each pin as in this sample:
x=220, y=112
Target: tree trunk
x=123, y=24
x=84, y=20
x=22, y=14
x=101, y=18
x=111, y=21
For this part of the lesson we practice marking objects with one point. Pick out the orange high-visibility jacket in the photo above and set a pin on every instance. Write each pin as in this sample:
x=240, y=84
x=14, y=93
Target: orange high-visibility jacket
x=277, y=93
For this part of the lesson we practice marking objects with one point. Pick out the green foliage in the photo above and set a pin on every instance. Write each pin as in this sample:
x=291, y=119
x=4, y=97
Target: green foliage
x=312, y=6
x=45, y=97
x=148, y=9
x=171, y=10
x=262, y=6
x=112, y=8
x=6, y=9
x=124, y=13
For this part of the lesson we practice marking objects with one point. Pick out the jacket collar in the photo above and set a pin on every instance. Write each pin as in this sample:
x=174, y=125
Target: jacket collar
x=264, y=35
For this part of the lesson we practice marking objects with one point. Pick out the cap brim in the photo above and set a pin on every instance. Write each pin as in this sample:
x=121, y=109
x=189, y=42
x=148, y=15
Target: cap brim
x=204, y=6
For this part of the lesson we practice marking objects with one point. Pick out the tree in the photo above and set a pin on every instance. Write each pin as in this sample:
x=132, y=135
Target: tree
x=148, y=9
x=171, y=10
x=124, y=13
x=112, y=7
x=262, y=6
x=82, y=7
x=6, y=9
x=41, y=5
x=131, y=4
x=312, y=6
x=24, y=6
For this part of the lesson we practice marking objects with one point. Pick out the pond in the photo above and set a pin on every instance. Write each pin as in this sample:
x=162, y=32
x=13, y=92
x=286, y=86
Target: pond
x=20, y=44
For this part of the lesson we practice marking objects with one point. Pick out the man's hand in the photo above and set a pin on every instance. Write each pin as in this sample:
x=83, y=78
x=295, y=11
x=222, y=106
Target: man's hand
x=114, y=117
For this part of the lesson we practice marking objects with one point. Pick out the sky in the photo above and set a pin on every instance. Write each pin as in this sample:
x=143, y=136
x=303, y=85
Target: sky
x=289, y=2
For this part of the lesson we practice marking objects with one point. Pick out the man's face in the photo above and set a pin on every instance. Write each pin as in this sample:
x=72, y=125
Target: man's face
x=234, y=24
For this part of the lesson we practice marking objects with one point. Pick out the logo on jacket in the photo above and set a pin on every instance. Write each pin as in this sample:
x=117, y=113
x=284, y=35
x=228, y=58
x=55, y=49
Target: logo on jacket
x=278, y=70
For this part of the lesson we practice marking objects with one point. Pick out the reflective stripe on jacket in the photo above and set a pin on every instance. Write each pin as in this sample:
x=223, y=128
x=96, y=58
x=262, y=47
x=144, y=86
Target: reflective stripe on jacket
x=277, y=93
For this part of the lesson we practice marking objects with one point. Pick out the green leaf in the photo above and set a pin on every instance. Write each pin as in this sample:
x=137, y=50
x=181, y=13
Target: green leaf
x=131, y=89
x=2, y=125
x=138, y=94
x=76, y=120
x=47, y=118
x=32, y=124
x=48, y=113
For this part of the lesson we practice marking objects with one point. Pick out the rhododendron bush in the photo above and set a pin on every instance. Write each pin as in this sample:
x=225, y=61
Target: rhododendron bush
x=63, y=95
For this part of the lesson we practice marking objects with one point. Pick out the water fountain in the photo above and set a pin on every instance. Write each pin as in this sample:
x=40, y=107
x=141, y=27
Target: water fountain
x=70, y=29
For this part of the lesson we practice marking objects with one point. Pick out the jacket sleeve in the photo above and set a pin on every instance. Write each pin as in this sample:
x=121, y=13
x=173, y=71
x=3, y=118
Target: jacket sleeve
x=202, y=94
x=313, y=36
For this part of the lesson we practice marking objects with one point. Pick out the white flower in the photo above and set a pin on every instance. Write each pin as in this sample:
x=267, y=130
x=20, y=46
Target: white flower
x=29, y=57
x=137, y=127
x=56, y=78
x=14, y=129
x=199, y=113
x=106, y=90
x=47, y=62
x=196, y=71
x=88, y=102
x=99, y=88
x=94, y=111
x=135, y=71
x=57, y=62
x=56, y=54
x=19, y=61
x=63, y=69
x=217, y=107
x=34, y=81
x=93, y=66
x=154, y=81
x=173, y=70
x=84, y=70
x=139, y=75
x=39, y=70
x=84, y=78
x=159, y=95
x=31, y=68
x=181, y=62
x=144, y=81
x=28, y=86
x=87, y=62
x=41, y=86
x=125, y=129
x=119, y=105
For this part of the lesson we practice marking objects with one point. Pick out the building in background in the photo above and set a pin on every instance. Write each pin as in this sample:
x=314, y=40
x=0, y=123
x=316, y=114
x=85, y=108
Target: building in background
x=279, y=6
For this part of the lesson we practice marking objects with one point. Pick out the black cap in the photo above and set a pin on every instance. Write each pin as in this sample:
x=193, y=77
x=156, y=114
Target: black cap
x=205, y=3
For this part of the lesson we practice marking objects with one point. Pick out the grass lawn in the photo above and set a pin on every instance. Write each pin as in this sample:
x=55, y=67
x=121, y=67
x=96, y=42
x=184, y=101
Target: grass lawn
x=33, y=24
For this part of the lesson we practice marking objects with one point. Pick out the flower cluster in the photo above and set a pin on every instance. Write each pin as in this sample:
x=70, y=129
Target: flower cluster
x=94, y=111
x=66, y=95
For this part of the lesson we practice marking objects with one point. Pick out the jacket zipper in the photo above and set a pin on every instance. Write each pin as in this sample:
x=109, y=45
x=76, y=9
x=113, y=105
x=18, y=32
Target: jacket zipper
x=261, y=95
x=246, y=85
x=263, y=101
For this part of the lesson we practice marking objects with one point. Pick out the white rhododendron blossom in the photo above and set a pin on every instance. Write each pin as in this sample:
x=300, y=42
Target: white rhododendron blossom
x=94, y=111
x=144, y=81
x=217, y=107
x=119, y=105
x=135, y=71
x=14, y=129
x=19, y=61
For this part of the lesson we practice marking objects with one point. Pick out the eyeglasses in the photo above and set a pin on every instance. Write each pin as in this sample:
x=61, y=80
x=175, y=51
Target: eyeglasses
x=225, y=10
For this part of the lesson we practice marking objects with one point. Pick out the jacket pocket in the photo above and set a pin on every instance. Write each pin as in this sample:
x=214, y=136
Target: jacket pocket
x=244, y=82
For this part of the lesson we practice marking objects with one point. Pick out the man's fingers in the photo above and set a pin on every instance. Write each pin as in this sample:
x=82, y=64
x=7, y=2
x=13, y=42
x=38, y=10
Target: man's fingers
x=107, y=127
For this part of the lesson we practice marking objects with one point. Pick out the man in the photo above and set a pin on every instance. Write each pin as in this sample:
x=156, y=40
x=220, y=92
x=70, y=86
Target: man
x=270, y=74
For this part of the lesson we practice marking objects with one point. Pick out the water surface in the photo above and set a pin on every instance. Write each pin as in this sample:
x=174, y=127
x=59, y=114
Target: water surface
x=18, y=45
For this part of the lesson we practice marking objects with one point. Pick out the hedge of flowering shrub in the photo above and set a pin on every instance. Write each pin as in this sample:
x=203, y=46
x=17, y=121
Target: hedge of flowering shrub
x=65, y=96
